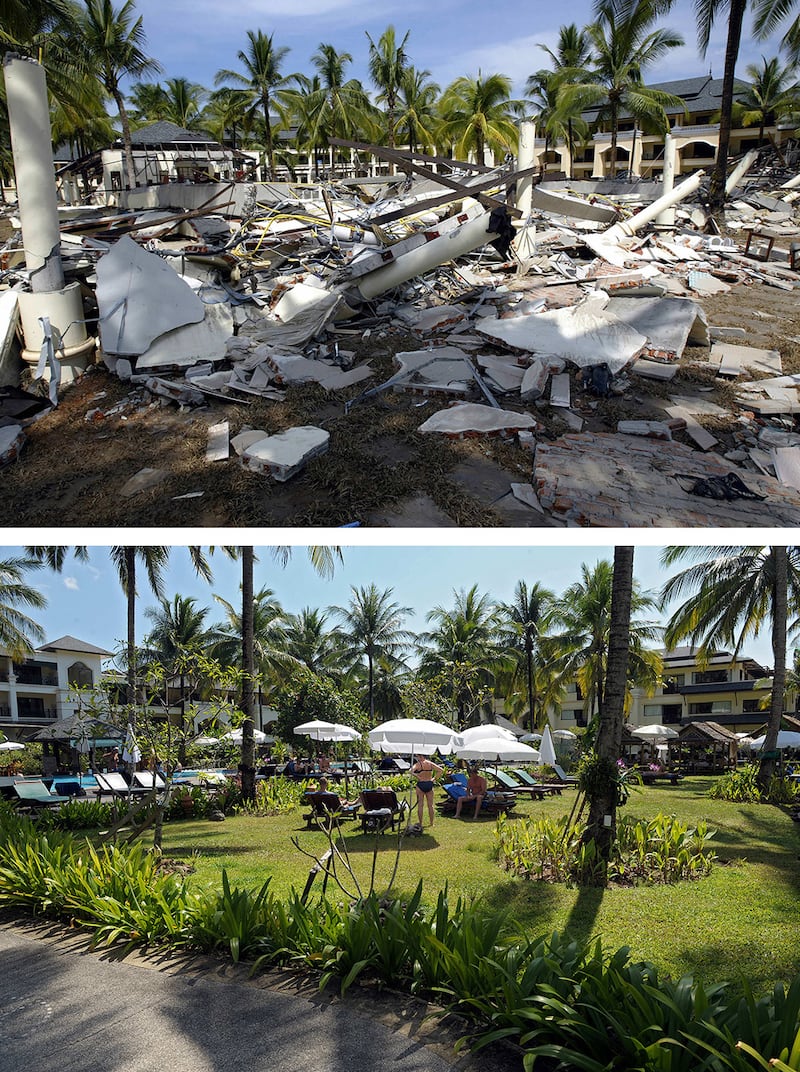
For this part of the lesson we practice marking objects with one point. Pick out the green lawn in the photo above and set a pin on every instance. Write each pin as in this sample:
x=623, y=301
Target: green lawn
x=738, y=923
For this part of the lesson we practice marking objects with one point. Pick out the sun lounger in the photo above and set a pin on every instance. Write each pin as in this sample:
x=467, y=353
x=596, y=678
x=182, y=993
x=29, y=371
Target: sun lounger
x=382, y=810
x=494, y=803
x=506, y=781
x=35, y=795
x=562, y=777
x=549, y=788
x=326, y=808
x=143, y=779
x=114, y=784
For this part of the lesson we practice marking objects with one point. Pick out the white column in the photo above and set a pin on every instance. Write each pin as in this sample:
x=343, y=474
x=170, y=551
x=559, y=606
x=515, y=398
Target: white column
x=29, y=121
x=12, y=691
x=667, y=217
x=740, y=170
x=526, y=158
x=641, y=219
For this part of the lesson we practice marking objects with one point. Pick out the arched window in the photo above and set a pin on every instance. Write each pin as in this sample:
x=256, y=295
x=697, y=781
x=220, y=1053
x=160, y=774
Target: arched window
x=79, y=674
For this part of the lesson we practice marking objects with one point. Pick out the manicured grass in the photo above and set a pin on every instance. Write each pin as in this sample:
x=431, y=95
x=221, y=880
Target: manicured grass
x=739, y=923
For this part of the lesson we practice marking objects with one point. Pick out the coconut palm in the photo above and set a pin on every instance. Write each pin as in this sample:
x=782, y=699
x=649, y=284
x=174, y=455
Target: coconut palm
x=570, y=60
x=148, y=102
x=529, y=618
x=308, y=640
x=552, y=115
x=583, y=614
x=184, y=102
x=262, y=77
x=371, y=629
x=115, y=39
x=268, y=633
x=602, y=790
x=735, y=591
x=17, y=630
x=769, y=15
x=771, y=92
x=416, y=109
x=225, y=112
x=465, y=648
x=388, y=62
x=476, y=115
x=624, y=43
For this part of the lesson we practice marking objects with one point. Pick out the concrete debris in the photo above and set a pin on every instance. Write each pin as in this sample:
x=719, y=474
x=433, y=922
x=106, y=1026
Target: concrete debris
x=247, y=295
x=470, y=419
x=283, y=456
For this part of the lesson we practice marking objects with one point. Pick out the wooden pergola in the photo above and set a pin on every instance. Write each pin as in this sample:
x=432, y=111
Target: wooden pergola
x=703, y=748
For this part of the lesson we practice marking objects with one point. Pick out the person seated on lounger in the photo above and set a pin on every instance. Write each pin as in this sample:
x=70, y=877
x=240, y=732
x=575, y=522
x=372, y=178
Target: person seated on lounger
x=476, y=790
x=323, y=786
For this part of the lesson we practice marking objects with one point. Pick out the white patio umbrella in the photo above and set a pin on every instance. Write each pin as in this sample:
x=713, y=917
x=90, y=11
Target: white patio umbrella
x=547, y=751
x=418, y=736
x=319, y=730
x=486, y=729
x=531, y=738
x=235, y=737
x=655, y=732
x=564, y=735
x=10, y=746
x=496, y=749
x=205, y=742
x=786, y=739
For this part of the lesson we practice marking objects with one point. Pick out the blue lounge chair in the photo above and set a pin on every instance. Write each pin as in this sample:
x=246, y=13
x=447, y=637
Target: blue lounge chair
x=35, y=794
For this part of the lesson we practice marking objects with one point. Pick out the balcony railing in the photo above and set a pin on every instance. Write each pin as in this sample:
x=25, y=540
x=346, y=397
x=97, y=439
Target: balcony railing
x=703, y=128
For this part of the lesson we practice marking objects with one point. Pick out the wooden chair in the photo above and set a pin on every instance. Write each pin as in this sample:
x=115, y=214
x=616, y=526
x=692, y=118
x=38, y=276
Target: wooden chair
x=327, y=808
x=382, y=810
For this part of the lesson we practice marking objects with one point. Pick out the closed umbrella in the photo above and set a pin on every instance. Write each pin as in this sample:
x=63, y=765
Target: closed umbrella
x=131, y=753
x=547, y=751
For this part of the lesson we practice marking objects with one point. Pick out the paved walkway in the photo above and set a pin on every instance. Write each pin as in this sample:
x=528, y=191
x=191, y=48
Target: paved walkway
x=66, y=1008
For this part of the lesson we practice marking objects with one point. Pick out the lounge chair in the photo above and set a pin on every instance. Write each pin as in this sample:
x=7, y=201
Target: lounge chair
x=326, y=808
x=564, y=778
x=144, y=779
x=35, y=795
x=382, y=810
x=549, y=788
x=114, y=784
x=493, y=803
x=513, y=785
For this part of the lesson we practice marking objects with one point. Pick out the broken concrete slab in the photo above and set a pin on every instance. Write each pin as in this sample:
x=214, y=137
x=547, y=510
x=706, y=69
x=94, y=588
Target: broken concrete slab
x=194, y=343
x=447, y=366
x=669, y=324
x=470, y=419
x=584, y=334
x=650, y=429
x=526, y=493
x=703, y=283
x=733, y=359
x=654, y=370
x=694, y=429
x=786, y=462
x=246, y=439
x=616, y=481
x=140, y=297
x=560, y=391
x=504, y=375
x=536, y=375
x=426, y=321
x=218, y=448
x=283, y=456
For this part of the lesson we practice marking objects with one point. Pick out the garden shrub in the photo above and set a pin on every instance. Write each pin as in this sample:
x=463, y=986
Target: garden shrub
x=662, y=849
x=741, y=787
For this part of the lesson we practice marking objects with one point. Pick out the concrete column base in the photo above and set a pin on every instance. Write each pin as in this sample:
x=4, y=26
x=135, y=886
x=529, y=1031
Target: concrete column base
x=64, y=309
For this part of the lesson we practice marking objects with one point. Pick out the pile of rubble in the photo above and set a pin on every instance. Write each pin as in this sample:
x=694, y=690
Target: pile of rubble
x=568, y=320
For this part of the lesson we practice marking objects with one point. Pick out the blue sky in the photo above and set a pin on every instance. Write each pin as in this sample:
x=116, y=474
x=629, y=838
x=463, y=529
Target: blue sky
x=196, y=38
x=85, y=600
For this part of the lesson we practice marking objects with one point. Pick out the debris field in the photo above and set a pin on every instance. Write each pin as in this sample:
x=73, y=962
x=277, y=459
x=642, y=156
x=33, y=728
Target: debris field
x=427, y=350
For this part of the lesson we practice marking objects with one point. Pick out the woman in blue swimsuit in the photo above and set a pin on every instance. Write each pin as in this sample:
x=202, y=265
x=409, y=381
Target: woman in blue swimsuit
x=425, y=771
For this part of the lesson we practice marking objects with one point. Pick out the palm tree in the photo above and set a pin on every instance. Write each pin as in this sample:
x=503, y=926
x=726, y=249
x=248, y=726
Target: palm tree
x=17, y=630
x=225, y=111
x=624, y=44
x=416, y=109
x=262, y=76
x=115, y=40
x=465, y=647
x=769, y=15
x=570, y=63
x=735, y=591
x=269, y=635
x=178, y=631
x=602, y=794
x=388, y=62
x=529, y=618
x=583, y=613
x=552, y=115
x=184, y=101
x=124, y=559
x=149, y=102
x=371, y=629
x=308, y=641
x=476, y=115
x=770, y=92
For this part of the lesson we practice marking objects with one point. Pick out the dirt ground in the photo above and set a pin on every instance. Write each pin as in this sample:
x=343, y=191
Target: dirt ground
x=379, y=470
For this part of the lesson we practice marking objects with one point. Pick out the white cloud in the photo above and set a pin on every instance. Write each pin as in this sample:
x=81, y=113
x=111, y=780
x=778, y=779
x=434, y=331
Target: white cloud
x=72, y=584
x=516, y=59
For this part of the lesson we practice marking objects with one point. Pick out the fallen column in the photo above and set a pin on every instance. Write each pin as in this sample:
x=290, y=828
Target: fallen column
x=740, y=170
x=667, y=217
x=629, y=227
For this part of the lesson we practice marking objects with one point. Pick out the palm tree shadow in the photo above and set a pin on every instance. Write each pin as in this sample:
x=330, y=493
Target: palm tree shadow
x=580, y=924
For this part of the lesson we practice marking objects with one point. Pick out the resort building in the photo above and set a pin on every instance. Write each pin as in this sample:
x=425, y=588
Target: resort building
x=45, y=687
x=726, y=690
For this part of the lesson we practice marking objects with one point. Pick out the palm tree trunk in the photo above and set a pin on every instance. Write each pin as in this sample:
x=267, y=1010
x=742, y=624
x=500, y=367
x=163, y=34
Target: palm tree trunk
x=126, y=138
x=569, y=150
x=601, y=826
x=735, y=19
x=614, y=132
x=529, y=662
x=130, y=574
x=248, y=770
x=371, y=687
x=780, y=583
x=268, y=138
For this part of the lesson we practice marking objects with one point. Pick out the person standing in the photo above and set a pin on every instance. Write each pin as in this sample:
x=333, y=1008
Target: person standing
x=426, y=772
